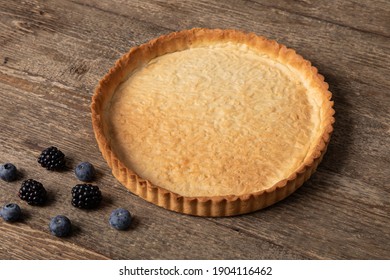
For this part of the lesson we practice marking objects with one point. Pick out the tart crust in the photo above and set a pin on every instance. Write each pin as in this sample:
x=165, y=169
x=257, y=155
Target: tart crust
x=214, y=204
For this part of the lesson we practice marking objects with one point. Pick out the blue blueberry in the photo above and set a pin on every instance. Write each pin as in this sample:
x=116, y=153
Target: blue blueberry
x=85, y=172
x=10, y=212
x=60, y=226
x=8, y=172
x=120, y=219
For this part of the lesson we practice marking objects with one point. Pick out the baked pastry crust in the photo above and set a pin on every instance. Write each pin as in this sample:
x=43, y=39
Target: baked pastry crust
x=216, y=203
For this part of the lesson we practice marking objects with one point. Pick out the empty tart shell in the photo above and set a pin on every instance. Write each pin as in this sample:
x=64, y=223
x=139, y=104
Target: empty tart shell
x=212, y=122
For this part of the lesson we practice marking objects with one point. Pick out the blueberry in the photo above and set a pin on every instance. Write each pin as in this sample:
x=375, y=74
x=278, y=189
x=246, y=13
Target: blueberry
x=11, y=212
x=8, y=172
x=60, y=226
x=85, y=172
x=120, y=219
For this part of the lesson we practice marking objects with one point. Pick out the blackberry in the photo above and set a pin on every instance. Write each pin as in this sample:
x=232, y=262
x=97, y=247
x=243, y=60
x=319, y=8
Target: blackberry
x=33, y=192
x=52, y=159
x=86, y=196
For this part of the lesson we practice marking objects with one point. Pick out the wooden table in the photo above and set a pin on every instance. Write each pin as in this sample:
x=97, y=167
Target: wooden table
x=52, y=54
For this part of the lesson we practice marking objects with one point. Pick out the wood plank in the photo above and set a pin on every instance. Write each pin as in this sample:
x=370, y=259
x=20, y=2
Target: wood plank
x=52, y=55
x=330, y=217
x=342, y=13
x=19, y=241
x=376, y=14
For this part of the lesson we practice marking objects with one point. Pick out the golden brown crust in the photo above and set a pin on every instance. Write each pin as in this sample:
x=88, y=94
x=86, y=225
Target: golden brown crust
x=215, y=205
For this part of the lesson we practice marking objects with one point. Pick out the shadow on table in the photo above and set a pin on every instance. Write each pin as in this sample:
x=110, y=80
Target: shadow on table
x=342, y=137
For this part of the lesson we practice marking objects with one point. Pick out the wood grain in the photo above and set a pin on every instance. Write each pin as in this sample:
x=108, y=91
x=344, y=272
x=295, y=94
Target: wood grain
x=34, y=244
x=52, y=53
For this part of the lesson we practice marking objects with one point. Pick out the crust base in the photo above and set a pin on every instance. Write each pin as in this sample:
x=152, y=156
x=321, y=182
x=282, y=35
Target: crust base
x=214, y=205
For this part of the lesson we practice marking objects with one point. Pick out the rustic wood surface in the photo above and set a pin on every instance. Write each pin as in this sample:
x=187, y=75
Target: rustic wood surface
x=52, y=54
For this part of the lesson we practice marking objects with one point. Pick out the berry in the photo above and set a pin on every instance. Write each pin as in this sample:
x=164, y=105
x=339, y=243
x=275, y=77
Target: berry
x=8, y=172
x=120, y=219
x=52, y=159
x=60, y=226
x=85, y=172
x=86, y=196
x=33, y=192
x=11, y=212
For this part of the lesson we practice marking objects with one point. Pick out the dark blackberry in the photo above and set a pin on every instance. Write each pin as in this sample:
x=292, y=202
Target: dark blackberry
x=52, y=159
x=86, y=196
x=33, y=192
